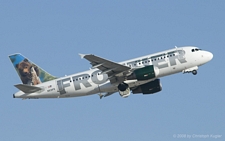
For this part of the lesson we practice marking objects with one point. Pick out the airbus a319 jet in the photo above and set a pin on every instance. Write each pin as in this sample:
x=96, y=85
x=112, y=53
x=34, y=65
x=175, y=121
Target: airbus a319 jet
x=139, y=76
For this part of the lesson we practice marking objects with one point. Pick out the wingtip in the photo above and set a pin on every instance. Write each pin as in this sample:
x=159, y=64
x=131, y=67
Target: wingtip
x=81, y=55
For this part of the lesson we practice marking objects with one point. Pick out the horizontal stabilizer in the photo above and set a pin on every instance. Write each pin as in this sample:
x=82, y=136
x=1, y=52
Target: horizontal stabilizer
x=27, y=88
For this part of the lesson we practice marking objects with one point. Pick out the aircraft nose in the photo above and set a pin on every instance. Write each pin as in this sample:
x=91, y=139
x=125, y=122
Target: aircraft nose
x=209, y=56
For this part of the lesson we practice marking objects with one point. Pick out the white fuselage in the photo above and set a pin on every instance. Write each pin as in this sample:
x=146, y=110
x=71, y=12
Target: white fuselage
x=93, y=81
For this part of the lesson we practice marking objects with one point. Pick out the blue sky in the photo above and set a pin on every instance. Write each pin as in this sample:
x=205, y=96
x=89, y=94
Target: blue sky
x=52, y=33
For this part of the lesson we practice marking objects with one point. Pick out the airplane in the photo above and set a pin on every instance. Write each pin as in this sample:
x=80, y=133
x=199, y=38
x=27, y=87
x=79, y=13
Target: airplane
x=139, y=76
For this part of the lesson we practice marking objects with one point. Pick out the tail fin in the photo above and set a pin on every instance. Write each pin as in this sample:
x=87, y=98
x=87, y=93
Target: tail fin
x=29, y=72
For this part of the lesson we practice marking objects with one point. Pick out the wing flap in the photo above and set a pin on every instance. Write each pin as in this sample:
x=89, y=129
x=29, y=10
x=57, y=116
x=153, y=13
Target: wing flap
x=27, y=88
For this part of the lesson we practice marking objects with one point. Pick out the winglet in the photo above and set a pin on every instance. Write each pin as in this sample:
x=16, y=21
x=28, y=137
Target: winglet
x=105, y=95
x=100, y=95
x=81, y=55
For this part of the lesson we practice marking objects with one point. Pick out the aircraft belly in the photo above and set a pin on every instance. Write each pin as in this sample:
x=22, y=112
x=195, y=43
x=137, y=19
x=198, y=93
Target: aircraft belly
x=107, y=87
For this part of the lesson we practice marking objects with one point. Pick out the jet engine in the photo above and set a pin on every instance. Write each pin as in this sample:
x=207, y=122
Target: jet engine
x=145, y=73
x=149, y=88
x=124, y=89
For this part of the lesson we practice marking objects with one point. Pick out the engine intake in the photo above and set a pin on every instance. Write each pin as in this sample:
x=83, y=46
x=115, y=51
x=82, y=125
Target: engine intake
x=124, y=89
x=123, y=86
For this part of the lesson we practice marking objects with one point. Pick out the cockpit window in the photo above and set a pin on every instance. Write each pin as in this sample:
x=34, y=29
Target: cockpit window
x=196, y=49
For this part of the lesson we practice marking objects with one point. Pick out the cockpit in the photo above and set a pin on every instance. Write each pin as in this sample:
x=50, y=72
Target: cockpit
x=195, y=49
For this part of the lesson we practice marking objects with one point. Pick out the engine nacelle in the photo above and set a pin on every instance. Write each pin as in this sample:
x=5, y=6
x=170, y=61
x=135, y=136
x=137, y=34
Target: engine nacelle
x=149, y=88
x=145, y=73
x=124, y=90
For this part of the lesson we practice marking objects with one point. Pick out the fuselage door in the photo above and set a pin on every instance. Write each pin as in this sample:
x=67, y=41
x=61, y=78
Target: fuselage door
x=181, y=54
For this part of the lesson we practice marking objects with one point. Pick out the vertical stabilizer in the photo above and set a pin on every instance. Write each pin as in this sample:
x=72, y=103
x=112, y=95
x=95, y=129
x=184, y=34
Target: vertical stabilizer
x=29, y=72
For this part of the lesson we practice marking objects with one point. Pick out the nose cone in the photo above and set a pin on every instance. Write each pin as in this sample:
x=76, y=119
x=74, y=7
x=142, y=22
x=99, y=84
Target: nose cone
x=209, y=56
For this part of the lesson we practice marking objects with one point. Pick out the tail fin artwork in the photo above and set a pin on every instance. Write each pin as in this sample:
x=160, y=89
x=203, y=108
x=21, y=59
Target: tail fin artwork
x=29, y=73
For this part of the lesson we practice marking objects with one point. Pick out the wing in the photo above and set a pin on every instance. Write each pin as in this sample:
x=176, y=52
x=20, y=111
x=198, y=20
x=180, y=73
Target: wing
x=114, y=70
x=105, y=95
